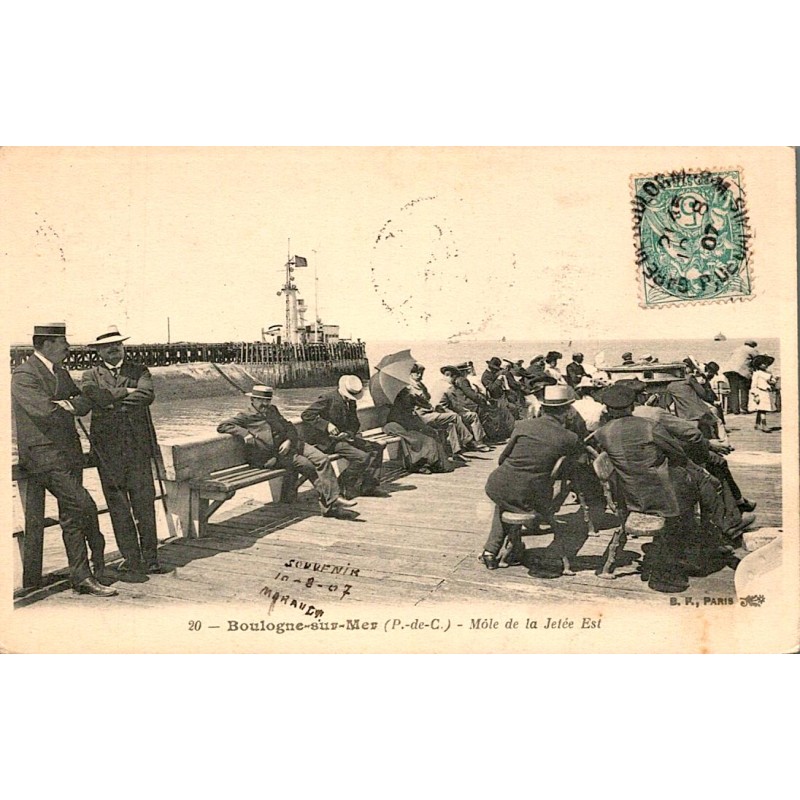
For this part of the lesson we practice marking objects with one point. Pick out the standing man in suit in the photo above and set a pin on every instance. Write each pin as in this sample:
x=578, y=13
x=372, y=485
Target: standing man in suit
x=122, y=445
x=331, y=424
x=45, y=401
x=739, y=372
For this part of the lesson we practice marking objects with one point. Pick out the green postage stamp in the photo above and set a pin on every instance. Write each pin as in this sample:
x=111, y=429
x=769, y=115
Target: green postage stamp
x=692, y=237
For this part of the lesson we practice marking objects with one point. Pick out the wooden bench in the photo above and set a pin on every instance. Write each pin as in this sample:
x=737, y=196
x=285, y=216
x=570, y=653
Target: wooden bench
x=203, y=472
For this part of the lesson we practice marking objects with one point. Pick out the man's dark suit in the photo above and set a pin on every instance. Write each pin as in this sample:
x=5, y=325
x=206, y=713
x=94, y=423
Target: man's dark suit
x=50, y=452
x=364, y=458
x=270, y=430
x=121, y=444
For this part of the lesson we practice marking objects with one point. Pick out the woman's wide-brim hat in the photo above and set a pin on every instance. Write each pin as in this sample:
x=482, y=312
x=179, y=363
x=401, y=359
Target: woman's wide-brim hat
x=448, y=368
x=763, y=362
x=110, y=336
x=558, y=395
x=260, y=392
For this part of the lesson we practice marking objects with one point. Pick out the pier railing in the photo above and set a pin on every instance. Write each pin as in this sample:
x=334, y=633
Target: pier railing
x=164, y=355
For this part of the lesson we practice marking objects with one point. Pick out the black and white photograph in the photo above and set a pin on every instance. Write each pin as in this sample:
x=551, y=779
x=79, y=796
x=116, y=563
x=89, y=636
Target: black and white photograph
x=401, y=399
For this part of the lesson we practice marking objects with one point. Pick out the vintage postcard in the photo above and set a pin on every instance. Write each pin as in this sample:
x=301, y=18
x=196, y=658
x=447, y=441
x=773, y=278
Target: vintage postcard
x=405, y=400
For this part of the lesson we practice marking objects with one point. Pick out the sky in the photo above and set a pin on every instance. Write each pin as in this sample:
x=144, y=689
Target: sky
x=408, y=243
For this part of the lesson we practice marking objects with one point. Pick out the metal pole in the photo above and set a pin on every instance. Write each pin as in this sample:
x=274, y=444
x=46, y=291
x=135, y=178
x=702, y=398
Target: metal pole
x=316, y=300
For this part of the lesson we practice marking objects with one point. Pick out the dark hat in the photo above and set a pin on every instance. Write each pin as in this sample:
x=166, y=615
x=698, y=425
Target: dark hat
x=260, y=392
x=751, y=343
x=762, y=362
x=619, y=395
x=495, y=363
x=553, y=354
x=448, y=368
x=627, y=356
x=51, y=329
x=577, y=355
x=634, y=383
x=418, y=368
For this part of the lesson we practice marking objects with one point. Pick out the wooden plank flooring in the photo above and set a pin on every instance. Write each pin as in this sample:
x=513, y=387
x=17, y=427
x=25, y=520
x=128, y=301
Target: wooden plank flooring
x=417, y=548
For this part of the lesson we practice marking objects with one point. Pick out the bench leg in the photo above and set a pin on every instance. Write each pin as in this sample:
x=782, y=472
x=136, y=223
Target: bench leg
x=617, y=543
x=198, y=514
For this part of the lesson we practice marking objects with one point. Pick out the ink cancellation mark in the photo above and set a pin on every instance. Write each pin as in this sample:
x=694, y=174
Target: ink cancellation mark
x=692, y=237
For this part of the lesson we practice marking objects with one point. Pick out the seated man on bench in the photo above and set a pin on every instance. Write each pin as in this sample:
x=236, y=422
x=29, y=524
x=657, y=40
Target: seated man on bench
x=331, y=424
x=270, y=439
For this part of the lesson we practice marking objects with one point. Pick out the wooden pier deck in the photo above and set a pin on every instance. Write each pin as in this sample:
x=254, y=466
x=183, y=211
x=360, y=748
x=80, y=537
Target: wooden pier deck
x=417, y=548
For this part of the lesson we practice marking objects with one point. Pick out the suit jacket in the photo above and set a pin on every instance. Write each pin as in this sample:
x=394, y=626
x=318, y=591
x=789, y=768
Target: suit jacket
x=741, y=361
x=575, y=372
x=269, y=428
x=640, y=451
x=46, y=434
x=122, y=426
x=331, y=407
x=493, y=381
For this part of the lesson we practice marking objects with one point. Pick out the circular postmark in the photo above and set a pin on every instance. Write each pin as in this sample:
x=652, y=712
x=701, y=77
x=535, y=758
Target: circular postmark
x=431, y=272
x=692, y=237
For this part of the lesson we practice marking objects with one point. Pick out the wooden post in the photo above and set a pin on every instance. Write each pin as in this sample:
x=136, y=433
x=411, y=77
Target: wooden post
x=32, y=542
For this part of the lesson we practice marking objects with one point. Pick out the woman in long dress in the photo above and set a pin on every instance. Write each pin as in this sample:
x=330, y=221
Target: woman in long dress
x=423, y=447
x=762, y=391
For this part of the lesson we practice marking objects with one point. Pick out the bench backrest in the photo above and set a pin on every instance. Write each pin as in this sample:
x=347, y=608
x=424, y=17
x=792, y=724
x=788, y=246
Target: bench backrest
x=195, y=456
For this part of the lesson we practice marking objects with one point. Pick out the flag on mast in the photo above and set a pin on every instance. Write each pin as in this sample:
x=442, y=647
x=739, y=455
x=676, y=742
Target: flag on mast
x=299, y=261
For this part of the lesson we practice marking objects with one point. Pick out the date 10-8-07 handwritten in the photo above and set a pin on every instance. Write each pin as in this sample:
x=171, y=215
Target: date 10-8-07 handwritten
x=334, y=580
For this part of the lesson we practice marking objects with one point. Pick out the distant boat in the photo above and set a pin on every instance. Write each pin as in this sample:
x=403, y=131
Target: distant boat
x=720, y=337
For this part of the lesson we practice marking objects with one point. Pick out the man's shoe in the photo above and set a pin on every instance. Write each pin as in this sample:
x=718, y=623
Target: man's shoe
x=91, y=586
x=376, y=491
x=488, y=560
x=338, y=513
x=100, y=574
x=514, y=557
x=746, y=505
x=747, y=520
x=131, y=573
x=158, y=569
x=345, y=502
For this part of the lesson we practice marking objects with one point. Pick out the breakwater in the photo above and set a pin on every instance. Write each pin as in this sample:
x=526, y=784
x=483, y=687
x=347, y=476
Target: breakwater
x=196, y=370
x=192, y=381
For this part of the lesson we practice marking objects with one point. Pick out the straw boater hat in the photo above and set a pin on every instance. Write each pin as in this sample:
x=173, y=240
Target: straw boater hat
x=351, y=386
x=260, y=392
x=51, y=329
x=110, y=336
x=558, y=395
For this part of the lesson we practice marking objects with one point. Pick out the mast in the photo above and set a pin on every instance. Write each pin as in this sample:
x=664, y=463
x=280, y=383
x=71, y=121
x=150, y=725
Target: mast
x=287, y=288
